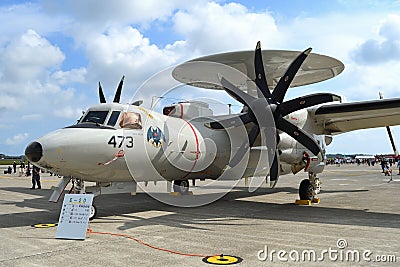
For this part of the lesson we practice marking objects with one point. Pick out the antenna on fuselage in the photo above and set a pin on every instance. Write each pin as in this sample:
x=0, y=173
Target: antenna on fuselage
x=137, y=103
x=101, y=95
x=119, y=90
x=117, y=96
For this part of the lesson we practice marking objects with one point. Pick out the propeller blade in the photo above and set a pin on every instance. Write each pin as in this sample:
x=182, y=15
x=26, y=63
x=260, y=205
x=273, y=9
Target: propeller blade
x=261, y=79
x=253, y=134
x=101, y=95
x=284, y=82
x=117, y=96
x=300, y=136
x=230, y=122
x=274, y=171
x=292, y=105
x=236, y=93
x=244, y=147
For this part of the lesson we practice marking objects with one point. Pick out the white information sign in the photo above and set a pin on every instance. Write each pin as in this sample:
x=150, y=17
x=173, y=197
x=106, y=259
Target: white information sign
x=74, y=216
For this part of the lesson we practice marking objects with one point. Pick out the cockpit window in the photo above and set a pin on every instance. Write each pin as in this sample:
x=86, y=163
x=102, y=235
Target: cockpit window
x=131, y=120
x=113, y=118
x=95, y=117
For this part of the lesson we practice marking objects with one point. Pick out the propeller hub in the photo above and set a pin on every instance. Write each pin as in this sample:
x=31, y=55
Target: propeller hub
x=260, y=107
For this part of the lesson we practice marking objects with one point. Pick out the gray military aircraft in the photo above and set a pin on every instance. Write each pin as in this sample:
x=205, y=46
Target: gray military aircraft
x=119, y=145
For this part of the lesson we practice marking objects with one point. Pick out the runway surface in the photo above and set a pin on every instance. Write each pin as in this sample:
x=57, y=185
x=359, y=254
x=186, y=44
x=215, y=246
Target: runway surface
x=357, y=223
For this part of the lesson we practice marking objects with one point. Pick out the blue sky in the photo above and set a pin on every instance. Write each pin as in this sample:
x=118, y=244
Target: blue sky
x=53, y=53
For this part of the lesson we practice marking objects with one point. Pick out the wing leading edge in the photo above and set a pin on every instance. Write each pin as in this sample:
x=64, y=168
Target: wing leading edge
x=341, y=118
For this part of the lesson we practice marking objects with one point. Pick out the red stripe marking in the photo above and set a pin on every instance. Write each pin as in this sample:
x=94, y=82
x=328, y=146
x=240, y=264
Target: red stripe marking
x=197, y=149
x=181, y=106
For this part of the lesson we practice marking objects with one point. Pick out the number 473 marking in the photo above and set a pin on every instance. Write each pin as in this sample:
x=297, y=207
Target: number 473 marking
x=127, y=140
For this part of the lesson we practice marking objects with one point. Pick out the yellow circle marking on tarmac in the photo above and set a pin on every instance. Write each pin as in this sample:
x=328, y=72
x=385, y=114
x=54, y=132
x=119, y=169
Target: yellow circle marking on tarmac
x=44, y=225
x=222, y=260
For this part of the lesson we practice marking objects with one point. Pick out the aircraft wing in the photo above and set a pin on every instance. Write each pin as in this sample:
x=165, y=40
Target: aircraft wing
x=345, y=117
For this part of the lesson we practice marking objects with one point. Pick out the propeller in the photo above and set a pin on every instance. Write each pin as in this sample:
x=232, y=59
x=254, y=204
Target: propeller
x=117, y=96
x=255, y=109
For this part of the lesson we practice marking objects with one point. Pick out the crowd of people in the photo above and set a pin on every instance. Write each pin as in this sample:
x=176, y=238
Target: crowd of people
x=386, y=164
x=26, y=170
x=339, y=161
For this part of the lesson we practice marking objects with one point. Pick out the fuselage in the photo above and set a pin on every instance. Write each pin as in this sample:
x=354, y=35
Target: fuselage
x=122, y=142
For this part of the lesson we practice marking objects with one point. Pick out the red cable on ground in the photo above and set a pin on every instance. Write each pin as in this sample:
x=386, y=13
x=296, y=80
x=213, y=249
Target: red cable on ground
x=90, y=231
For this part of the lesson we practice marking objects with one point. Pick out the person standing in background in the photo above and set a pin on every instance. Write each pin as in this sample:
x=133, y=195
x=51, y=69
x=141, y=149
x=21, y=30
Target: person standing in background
x=398, y=166
x=21, y=168
x=28, y=169
x=36, y=177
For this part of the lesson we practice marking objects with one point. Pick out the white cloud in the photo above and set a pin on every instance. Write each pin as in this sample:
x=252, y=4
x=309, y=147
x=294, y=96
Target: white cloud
x=125, y=51
x=32, y=86
x=31, y=77
x=7, y=102
x=71, y=76
x=214, y=28
x=384, y=47
x=29, y=57
x=339, y=35
x=91, y=17
x=17, y=139
x=68, y=112
x=108, y=11
x=364, y=82
x=16, y=19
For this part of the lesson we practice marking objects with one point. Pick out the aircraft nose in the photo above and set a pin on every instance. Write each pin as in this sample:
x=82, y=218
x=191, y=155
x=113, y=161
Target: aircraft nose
x=34, y=151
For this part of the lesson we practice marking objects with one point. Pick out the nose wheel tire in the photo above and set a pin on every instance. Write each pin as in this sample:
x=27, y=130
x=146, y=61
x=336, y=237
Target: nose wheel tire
x=181, y=186
x=93, y=212
x=306, y=190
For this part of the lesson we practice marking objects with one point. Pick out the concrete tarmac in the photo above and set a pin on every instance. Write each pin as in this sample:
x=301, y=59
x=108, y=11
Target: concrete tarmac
x=357, y=223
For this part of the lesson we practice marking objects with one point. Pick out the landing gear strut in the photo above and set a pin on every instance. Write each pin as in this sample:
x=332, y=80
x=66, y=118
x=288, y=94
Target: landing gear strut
x=309, y=188
x=181, y=186
x=79, y=188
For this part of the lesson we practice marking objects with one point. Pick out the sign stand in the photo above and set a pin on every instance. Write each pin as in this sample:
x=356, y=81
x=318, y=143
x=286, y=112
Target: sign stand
x=74, y=216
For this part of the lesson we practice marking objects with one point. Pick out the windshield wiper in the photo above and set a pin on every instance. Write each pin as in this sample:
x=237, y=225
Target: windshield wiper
x=93, y=121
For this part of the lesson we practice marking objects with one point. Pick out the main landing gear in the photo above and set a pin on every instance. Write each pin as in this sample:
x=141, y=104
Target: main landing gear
x=309, y=188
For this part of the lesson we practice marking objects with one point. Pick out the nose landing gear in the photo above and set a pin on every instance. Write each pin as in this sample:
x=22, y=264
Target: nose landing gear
x=181, y=186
